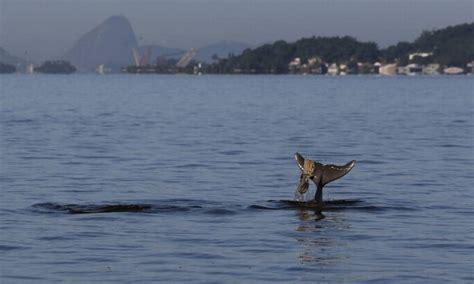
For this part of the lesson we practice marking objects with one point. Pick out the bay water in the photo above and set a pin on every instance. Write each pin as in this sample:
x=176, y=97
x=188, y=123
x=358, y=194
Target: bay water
x=183, y=179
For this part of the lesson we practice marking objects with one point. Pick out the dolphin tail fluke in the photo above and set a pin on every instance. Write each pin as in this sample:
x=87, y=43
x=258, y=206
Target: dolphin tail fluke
x=299, y=161
x=320, y=174
x=333, y=172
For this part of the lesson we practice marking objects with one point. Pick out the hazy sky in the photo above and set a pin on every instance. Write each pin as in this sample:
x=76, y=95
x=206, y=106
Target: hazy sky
x=48, y=28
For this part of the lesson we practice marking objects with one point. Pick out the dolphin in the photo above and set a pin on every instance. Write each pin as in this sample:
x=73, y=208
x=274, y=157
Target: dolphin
x=320, y=174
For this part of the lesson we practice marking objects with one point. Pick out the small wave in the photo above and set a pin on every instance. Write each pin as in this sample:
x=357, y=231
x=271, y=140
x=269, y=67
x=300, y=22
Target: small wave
x=94, y=157
x=327, y=205
x=18, y=121
x=455, y=146
x=220, y=211
x=263, y=207
x=192, y=166
x=232, y=152
x=10, y=248
x=105, y=114
x=370, y=162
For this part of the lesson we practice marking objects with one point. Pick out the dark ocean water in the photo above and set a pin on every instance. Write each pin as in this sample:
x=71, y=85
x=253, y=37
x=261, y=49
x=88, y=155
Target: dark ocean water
x=182, y=178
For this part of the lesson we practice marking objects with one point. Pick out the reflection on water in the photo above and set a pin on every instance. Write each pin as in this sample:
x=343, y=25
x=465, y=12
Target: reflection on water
x=305, y=215
x=317, y=246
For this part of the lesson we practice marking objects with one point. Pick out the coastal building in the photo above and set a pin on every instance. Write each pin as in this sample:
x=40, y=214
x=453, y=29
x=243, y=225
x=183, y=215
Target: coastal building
x=294, y=65
x=30, y=68
x=333, y=69
x=413, y=69
x=376, y=67
x=314, y=61
x=101, y=69
x=402, y=70
x=343, y=69
x=388, y=69
x=319, y=69
x=431, y=69
x=316, y=66
x=197, y=69
x=304, y=69
x=367, y=68
x=453, y=71
x=470, y=67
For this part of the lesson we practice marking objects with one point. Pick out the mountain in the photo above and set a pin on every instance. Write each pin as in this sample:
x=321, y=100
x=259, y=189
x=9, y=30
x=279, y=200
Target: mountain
x=7, y=58
x=222, y=49
x=109, y=43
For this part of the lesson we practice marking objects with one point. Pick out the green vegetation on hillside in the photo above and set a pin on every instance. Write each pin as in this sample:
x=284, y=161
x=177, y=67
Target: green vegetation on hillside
x=274, y=58
x=451, y=46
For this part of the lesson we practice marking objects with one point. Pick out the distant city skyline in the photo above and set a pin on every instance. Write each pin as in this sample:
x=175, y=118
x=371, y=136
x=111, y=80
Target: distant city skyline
x=46, y=29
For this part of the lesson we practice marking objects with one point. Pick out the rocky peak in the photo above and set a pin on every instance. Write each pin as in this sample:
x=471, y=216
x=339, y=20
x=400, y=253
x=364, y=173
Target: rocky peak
x=109, y=43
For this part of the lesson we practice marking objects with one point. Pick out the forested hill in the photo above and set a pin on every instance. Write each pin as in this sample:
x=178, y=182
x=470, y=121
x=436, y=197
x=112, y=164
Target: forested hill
x=451, y=46
x=274, y=58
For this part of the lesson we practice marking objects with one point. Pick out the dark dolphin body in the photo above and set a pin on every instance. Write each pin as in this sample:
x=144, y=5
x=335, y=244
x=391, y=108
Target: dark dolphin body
x=320, y=174
x=187, y=206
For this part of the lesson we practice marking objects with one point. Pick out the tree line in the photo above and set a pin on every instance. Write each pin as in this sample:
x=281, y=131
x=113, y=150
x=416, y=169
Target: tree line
x=451, y=46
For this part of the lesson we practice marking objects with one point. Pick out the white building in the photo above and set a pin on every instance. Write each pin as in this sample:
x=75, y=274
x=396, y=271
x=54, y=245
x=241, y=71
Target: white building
x=414, y=69
x=453, y=71
x=431, y=69
x=411, y=56
x=101, y=69
x=333, y=69
x=30, y=68
x=388, y=69
x=470, y=67
x=402, y=70
x=295, y=62
x=294, y=65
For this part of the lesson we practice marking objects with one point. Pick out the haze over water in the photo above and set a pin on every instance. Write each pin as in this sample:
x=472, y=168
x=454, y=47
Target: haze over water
x=211, y=156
